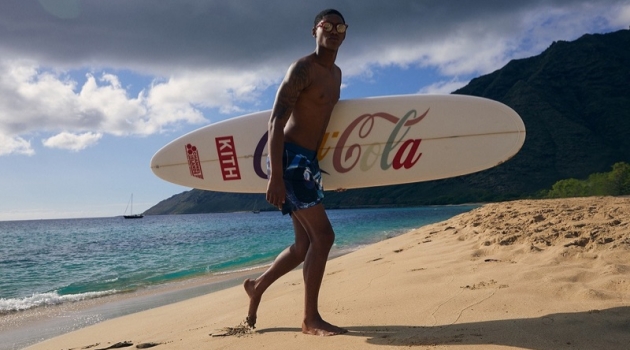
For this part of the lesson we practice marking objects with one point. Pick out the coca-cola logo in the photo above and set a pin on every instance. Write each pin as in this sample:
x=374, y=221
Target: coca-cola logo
x=398, y=152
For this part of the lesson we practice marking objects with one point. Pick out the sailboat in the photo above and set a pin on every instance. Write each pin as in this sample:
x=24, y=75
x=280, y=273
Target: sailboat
x=131, y=214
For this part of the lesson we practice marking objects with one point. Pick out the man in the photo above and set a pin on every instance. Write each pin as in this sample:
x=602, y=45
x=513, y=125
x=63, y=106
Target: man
x=299, y=118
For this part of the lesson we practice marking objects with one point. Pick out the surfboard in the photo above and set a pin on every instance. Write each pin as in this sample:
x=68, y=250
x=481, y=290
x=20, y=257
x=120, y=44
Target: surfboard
x=369, y=142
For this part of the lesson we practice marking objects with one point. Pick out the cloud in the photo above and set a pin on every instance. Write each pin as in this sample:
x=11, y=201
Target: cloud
x=64, y=9
x=480, y=39
x=33, y=100
x=73, y=142
x=443, y=87
x=222, y=56
x=15, y=145
x=622, y=17
x=221, y=89
x=190, y=34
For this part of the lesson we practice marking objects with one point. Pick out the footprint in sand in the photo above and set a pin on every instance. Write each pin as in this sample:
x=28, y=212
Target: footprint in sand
x=124, y=344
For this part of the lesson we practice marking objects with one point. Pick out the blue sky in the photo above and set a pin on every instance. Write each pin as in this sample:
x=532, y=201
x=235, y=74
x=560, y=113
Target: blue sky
x=90, y=90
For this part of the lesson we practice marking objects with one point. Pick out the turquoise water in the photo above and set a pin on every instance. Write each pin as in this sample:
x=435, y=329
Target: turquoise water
x=50, y=262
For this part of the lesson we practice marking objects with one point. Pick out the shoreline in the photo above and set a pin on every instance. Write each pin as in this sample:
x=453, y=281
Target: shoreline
x=24, y=328
x=27, y=327
x=530, y=274
x=55, y=283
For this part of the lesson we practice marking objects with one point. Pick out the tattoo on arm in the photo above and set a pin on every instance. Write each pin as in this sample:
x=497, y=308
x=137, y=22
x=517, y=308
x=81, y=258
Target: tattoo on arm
x=297, y=79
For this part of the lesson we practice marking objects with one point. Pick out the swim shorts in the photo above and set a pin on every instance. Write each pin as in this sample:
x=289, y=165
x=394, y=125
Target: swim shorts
x=302, y=178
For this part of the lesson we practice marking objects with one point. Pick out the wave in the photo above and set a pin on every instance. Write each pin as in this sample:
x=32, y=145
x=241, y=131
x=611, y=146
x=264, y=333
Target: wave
x=47, y=299
x=244, y=269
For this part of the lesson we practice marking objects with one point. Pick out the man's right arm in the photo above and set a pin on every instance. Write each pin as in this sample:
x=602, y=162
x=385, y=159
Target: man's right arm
x=295, y=81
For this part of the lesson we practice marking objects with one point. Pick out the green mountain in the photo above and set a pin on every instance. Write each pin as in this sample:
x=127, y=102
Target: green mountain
x=574, y=99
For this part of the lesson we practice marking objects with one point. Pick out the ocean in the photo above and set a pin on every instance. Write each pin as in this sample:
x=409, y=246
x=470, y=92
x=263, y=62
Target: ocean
x=48, y=264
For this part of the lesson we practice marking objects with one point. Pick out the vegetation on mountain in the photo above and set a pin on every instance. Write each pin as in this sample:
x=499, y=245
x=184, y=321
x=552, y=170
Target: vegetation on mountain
x=613, y=183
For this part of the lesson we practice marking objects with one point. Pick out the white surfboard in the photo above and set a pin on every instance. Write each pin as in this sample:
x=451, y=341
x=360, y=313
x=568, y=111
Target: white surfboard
x=369, y=142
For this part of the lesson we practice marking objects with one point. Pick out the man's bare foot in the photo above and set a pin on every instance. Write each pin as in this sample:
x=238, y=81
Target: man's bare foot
x=254, y=301
x=321, y=328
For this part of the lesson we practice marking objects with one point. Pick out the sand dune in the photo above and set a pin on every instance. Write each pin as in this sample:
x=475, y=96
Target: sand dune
x=532, y=274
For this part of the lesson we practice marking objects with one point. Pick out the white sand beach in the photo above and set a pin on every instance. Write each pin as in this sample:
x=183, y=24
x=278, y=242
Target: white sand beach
x=529, y=274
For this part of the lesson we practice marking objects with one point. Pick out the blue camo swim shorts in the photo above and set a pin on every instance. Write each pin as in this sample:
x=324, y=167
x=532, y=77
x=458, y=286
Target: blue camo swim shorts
x=302, y=178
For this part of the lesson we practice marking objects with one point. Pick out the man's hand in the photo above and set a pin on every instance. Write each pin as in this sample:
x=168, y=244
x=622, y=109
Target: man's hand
x=276, y=192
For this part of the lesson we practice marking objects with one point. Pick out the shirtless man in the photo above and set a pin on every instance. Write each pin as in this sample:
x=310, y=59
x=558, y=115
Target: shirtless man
x=299, y=118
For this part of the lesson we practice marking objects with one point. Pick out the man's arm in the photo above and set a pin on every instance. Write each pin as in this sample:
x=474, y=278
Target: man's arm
x=295, y=81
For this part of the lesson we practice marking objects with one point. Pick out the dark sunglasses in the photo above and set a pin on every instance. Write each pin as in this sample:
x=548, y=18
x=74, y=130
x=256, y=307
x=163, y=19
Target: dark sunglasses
x=328, y=27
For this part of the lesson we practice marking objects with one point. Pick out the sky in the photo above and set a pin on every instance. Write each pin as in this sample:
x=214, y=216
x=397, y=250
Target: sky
x=91, y=89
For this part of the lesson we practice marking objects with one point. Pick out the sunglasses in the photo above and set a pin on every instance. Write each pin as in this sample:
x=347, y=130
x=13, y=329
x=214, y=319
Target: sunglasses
x=328, y=27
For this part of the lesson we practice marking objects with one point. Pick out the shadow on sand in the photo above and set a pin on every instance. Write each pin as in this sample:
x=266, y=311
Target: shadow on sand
x=597, y=329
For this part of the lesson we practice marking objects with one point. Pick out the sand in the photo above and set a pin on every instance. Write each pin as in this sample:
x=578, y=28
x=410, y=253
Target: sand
x=530, y=274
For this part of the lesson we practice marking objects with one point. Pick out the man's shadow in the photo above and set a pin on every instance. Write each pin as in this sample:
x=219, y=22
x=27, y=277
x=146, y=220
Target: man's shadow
x=596, y=329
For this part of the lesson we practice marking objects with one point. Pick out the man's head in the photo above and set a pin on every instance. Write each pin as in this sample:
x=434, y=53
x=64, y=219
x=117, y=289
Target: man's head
x=329, y=29
x=320, y=16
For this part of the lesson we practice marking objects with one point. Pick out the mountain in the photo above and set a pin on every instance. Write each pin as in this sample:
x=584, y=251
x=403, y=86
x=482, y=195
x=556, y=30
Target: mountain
x=198, y=201
x=574, y=99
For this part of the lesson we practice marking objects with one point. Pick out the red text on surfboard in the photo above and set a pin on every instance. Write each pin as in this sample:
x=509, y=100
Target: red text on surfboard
x=227, y=158
x=194, y=164
x=399, y=152
x=346, y=156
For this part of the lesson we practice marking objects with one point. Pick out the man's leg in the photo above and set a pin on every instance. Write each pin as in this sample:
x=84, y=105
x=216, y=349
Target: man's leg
x=321, y=235
x=286, y=261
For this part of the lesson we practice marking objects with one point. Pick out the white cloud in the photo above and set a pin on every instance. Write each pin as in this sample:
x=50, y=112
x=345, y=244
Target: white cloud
x=15, y=145
x=72, y=142
x=222, y=89
x=33, y=101
x=443, y=87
